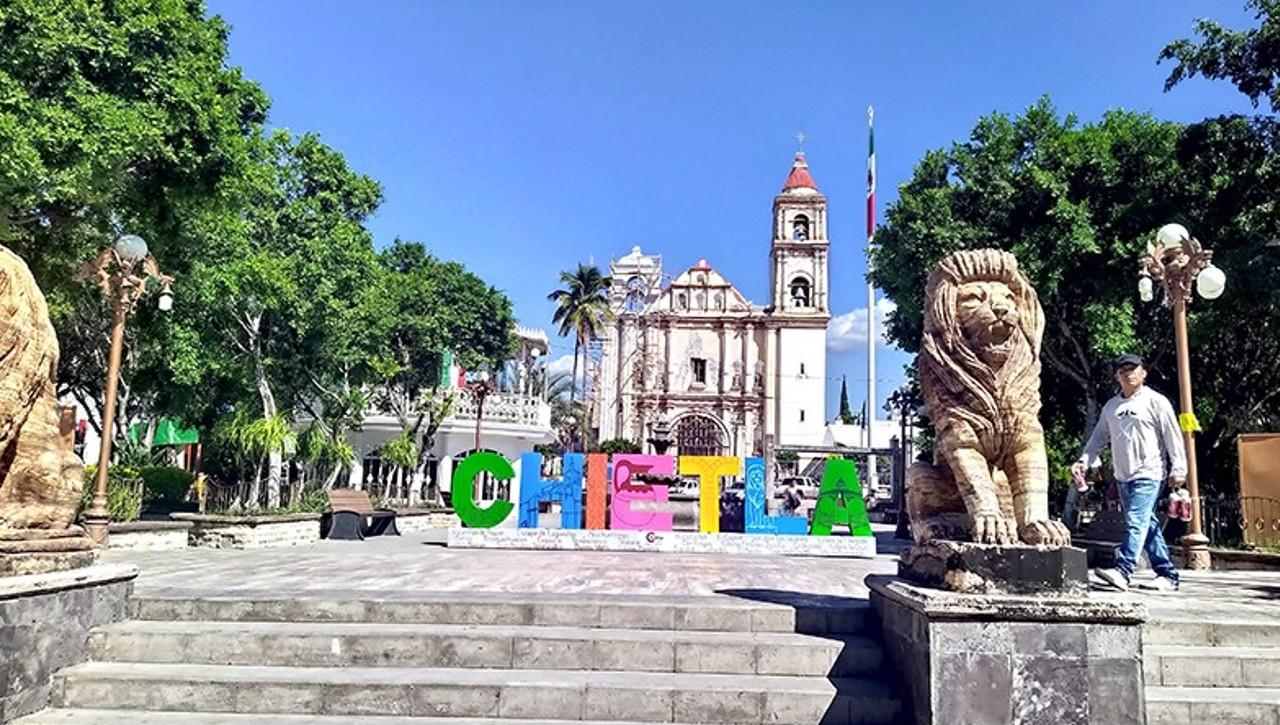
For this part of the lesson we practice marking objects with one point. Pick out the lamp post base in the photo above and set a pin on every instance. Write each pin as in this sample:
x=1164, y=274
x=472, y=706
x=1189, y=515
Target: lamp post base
x=95, y=525
x=1195, y=548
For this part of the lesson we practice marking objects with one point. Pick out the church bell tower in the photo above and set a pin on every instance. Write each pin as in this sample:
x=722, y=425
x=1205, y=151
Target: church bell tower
x=798, y=255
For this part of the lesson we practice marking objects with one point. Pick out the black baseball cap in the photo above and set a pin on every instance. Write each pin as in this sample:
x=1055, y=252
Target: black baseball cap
x=1126, y=359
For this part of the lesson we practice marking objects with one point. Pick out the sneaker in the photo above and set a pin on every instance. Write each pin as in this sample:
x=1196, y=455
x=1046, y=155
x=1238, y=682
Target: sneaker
x=1113, y=578
x=1162, y=584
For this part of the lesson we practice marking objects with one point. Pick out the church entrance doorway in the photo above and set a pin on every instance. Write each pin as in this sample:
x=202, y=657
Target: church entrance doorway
x=700, y=435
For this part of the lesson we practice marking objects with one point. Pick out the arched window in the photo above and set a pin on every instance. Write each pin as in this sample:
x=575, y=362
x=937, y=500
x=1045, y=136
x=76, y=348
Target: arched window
x=800, y=292
x=800, y=228
x=681, y=302
x=635, y=294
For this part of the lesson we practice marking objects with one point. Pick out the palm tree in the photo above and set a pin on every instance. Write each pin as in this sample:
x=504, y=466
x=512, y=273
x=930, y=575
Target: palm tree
x=582, y=308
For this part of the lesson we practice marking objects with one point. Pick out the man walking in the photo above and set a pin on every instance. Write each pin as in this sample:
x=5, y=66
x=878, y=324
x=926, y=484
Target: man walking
x=1140, y=426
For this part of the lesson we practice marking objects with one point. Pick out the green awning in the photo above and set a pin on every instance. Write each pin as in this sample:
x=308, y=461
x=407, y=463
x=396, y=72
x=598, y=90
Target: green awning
x=168, y=433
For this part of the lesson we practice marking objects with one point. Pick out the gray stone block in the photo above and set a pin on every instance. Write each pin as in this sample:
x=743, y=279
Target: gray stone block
x=638, y=616
x=1117, y=695
x=541, y=701
x=713, y=619
x=973, y=688
x=1168, y=713
x=971, y=637
x=1201, y=671
x=453, y=701
x=1236, y=713
x=537, y=653
x=805, y=707
x=718, y=706
x=1261, y=672
x=773, y=619
x=619, y=703
x=1061, y=639
x=1113, y=640
x=646, y=656
x=715, y=657
x=279, y=697
x=1050, y=689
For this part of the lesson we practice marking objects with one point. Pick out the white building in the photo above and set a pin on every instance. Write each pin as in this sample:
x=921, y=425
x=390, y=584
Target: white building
x=729, y=377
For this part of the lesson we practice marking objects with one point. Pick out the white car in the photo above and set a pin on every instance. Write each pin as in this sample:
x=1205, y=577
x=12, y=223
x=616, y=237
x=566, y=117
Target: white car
x=805, y=486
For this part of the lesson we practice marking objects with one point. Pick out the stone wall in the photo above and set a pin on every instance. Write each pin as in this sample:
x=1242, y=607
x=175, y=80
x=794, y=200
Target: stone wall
x=252, y=532
x=418, y=522
x=149, y=535
x=44, y=626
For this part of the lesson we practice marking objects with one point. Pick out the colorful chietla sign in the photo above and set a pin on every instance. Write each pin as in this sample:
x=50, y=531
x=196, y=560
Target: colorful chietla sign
x=839, y=498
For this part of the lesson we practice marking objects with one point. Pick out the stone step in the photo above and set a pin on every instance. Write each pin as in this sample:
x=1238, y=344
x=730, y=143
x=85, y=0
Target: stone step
x=1201, y=705
x=337, y=644
x=476, y=693
x=1211, y=633
x=766, y=611
x=142, y=717
x=1180, y=665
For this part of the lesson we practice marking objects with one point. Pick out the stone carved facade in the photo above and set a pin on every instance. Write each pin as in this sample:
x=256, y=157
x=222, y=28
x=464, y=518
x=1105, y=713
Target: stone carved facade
x=691, y=351
x=980, y=375
x=41, y=479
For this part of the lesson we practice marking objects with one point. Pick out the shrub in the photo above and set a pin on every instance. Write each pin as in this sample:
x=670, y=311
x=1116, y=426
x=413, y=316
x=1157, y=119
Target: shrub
x=165, y=486
x=619, y=445
x=124, y=492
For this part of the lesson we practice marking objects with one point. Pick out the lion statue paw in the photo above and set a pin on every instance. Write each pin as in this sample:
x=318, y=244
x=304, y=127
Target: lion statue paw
x=1044, y=533
x=993, y=529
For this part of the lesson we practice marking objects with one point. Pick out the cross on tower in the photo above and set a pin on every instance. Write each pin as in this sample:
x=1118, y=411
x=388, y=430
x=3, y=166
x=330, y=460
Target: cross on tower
x=800, y=142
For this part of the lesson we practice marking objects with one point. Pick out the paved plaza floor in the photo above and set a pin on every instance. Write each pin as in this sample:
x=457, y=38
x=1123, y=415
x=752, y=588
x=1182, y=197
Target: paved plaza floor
x=419, y=563
x=402, y=566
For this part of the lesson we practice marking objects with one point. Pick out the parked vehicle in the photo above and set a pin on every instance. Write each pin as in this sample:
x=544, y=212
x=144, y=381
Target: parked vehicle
x=805, y=486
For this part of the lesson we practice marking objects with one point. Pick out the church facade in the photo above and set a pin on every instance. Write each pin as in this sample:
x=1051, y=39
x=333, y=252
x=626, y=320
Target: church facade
x=690, y=354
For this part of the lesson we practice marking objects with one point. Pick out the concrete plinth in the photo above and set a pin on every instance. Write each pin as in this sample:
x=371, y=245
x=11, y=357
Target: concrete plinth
x=39, y=551
x=972, y=658
x=683, y=542
x=44, y=626
x=963, y=566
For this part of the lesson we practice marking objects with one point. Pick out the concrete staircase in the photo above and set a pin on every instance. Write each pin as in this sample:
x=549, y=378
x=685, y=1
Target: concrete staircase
x=1200, y=671
x=456, y=658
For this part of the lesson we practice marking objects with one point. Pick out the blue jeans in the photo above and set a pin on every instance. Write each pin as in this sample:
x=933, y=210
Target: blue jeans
x=1071, y=508
x=1142, y=529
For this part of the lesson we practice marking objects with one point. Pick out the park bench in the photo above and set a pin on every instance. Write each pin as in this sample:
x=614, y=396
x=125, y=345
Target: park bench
x=352, y=517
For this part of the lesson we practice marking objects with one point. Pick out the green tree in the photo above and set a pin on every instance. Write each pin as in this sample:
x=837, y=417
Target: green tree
x=435, y=308
x=846, y=415
x=117, y=117
x=1250, y=59
x=582, y=308
x=284, y=307
x=1077, y=205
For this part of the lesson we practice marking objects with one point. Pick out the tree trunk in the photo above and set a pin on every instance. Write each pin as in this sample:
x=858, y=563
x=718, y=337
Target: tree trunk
x=255, y=488
x=573, y=387
x=275, y=457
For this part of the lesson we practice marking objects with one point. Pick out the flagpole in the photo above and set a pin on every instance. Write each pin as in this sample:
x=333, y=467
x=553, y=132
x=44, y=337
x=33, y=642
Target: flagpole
x=871, y=296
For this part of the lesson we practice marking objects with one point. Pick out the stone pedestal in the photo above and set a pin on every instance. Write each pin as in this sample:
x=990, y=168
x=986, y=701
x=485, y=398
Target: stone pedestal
x=962, y=566
x=40, y=551
x=1005, y=658
x=44, y=626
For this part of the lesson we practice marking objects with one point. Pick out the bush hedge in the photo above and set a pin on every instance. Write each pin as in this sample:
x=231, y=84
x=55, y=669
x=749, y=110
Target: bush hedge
x=165, y=487
x=124, y=492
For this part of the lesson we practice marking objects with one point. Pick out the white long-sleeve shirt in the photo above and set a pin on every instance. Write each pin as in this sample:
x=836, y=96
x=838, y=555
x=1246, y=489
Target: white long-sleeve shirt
x=1141, y=429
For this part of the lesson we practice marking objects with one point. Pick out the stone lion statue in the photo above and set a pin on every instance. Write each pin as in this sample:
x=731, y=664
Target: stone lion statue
x=980, y=375
x=41, y=479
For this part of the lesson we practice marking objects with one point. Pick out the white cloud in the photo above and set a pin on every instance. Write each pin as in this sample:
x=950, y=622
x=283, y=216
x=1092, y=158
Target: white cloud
x=562, y=364
x=849, y=331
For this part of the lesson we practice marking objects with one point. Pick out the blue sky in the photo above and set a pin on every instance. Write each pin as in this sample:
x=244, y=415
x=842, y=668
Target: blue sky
x=522, y=137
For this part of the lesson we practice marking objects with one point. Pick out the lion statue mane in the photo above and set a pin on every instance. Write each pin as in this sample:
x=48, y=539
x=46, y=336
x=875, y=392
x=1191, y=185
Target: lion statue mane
x=980, y=374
